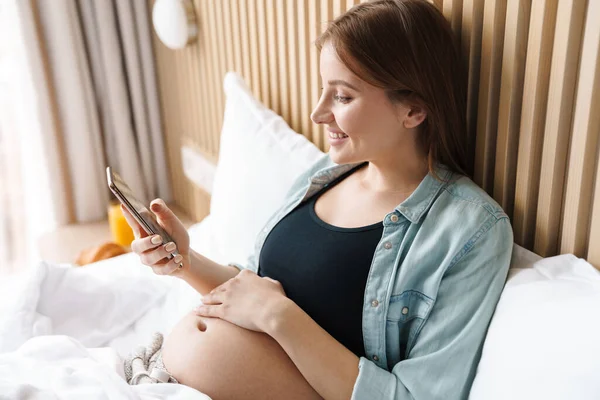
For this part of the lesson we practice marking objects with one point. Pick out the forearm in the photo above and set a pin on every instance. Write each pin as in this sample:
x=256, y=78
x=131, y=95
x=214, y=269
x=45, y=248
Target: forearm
x=329, y=367
x=203, y=274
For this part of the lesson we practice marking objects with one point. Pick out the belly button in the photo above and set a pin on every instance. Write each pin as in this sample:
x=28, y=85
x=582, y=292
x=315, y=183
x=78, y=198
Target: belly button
x=201, y=325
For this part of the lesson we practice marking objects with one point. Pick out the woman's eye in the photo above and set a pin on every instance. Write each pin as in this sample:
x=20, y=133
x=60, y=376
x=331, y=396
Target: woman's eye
x=342, y=99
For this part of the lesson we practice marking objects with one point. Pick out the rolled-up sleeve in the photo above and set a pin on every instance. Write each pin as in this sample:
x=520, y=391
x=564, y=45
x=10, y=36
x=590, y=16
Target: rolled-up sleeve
x=251, y=264
x=442, y=361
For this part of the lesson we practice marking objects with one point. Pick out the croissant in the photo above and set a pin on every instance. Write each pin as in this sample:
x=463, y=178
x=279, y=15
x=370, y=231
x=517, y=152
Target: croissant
x=101, y=252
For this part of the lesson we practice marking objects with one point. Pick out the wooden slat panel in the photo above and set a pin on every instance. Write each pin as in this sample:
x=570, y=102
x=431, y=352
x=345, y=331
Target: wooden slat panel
x=565, y=58
x=314, y=29
x=201, y=47
x=472, y=26
x=257, y=11
x=247, y=37
x=526, y=84
x=535, y=92
x=339, y=6
x=489, y=92
x=228, y=32
x=293, y=77
x=327, y=15
x=272, y=49
x=220, y=54
x=351, y=3
x=452, y=10
x=196, y=101
x=593, y=255
x=511, y=96
x=282, y=59
x=583, y=153
x=210, y=86
x=176, y=121
x=305, y=46
x=237, y=38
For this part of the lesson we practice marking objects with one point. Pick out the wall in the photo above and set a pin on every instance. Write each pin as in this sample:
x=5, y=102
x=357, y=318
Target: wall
x=533, y=106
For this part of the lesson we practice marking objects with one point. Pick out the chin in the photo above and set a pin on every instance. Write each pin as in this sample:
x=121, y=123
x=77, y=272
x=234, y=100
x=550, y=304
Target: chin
x=338, y=158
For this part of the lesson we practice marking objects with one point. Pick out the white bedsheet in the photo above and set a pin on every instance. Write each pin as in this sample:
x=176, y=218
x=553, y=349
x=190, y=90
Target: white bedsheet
x=60, y=367
x=64, y=330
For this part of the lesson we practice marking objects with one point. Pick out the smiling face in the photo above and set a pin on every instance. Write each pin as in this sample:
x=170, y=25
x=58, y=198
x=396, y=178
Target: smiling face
x=376, y=128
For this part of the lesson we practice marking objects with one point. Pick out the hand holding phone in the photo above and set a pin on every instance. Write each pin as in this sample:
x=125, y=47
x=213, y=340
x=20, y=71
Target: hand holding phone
x=162, y=243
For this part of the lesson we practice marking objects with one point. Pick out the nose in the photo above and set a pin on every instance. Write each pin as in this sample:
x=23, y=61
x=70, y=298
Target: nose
x=322, y=113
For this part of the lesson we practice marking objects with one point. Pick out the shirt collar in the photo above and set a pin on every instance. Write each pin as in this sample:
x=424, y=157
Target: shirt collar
x=419, y=202
x=414, y=206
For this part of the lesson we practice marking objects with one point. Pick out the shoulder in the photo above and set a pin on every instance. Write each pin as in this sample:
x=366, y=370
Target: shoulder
x=470, y=213
x=464, y=218
x=464, y=206
x=462, y=193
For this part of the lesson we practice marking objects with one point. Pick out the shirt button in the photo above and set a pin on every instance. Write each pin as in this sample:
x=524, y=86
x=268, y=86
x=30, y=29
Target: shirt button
x=405, y=310
x=374, y=303
x=375, y=358
x=387, y=245
x=394, y=218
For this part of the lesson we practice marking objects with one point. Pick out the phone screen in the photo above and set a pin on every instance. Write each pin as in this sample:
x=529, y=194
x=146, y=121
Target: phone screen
x=138, y=210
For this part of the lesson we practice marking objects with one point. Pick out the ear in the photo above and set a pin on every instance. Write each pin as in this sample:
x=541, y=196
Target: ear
x=414, y=117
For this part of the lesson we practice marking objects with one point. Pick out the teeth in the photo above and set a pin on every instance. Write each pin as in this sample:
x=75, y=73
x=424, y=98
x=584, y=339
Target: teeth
x=337, y=135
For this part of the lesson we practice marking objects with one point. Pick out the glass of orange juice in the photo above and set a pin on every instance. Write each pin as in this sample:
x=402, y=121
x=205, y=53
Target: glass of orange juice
x=119, y=228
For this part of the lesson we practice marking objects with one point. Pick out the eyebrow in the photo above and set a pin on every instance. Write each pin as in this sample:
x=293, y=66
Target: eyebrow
x=343, y=83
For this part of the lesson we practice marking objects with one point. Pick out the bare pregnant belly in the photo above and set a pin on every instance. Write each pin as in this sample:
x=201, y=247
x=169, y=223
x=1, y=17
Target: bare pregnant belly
x=225, y=361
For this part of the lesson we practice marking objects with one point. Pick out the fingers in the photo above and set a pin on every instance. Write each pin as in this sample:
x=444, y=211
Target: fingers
x=154, y=256
x=154, y=253
x=138, y=232
x=159, y=208
x=214, y=311
x=142, y=245
x=167, y=268
x=213, y=298
x=150, y=248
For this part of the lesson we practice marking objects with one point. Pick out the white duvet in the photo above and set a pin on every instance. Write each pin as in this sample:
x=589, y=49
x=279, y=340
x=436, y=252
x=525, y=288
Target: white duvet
x=64, y=330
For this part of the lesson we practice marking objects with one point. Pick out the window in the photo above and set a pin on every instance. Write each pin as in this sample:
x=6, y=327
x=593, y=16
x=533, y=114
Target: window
x=12, y=227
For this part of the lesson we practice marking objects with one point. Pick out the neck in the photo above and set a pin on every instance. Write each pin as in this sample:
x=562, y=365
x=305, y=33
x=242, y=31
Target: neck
x=399, y=176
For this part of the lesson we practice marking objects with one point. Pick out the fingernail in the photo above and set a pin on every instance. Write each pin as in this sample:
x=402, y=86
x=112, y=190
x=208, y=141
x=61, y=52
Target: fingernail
x=170, y=247
x=156, y=239
x=178, y=258
x=155, y=206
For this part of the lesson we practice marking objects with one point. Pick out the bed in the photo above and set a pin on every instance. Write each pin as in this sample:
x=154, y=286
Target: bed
x=534, y=139
x=64, y=330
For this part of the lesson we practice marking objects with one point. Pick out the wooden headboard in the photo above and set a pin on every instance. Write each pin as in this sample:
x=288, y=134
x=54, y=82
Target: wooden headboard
x=533, y=99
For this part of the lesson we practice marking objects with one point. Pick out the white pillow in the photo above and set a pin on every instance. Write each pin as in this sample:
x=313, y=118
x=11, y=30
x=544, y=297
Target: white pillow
x=522, y=258
x=542, y=342
x=260, y=156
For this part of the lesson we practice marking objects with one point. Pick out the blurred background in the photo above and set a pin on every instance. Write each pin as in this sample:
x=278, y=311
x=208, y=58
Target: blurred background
x=13, y=242
x=77, y=93
x=138, y=85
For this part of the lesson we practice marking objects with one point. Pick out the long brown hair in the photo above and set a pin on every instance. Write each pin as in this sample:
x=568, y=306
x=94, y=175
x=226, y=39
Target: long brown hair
x=407, y=48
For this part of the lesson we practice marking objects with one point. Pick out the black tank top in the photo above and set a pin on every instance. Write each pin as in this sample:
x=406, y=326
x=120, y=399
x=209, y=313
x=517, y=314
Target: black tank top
x=323, y=268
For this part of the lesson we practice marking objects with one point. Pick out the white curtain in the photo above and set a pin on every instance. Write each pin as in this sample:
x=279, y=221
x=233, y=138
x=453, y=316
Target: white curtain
x=87, y=98
x=95, y=71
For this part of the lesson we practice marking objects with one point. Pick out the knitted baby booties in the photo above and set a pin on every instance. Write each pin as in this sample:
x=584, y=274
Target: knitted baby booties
x=145, y=365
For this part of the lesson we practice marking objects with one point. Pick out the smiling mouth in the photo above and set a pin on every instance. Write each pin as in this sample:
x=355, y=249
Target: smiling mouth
x=337, y=135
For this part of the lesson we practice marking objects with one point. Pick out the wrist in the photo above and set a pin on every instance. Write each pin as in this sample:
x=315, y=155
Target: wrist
x=278, y=310
x=188, y=262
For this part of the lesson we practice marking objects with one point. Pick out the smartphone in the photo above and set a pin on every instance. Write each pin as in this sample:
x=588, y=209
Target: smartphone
x=137, y=209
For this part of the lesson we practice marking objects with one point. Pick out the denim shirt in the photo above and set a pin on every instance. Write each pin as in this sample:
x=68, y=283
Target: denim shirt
x=434, y=282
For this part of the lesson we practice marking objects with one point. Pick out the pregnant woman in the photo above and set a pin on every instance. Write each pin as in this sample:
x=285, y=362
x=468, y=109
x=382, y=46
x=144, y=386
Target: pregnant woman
x=379, y=275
